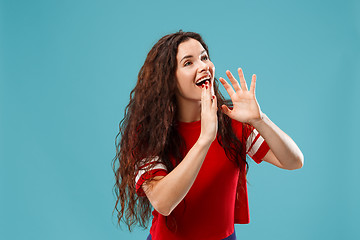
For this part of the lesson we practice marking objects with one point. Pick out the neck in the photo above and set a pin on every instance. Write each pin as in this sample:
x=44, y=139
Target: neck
x=188, y=110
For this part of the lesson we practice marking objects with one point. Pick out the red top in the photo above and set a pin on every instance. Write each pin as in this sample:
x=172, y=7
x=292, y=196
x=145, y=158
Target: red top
x=215, y=201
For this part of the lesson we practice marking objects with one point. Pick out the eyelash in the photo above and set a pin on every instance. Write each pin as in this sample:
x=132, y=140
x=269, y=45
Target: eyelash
x=205, y=56
x=186, y=64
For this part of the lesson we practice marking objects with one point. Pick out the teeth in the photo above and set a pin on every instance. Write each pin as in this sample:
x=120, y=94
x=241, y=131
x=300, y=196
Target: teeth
x=203, y=79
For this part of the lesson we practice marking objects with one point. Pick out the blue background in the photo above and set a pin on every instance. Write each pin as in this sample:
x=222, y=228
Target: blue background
x=67, y=68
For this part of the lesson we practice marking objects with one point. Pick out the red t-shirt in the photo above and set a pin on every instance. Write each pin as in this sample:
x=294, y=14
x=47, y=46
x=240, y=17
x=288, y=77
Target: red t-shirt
x=215, y=201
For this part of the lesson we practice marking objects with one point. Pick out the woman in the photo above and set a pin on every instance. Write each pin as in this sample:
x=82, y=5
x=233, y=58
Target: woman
x=185, y=157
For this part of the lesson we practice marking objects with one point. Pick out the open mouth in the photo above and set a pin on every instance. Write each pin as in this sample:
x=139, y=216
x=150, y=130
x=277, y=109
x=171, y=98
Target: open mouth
x=202, y=81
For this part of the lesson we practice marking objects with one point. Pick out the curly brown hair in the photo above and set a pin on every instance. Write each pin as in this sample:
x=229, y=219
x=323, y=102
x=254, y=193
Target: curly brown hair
x=149, y=130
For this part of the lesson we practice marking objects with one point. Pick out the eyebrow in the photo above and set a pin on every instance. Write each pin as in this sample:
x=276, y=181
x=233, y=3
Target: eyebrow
x=190, y=56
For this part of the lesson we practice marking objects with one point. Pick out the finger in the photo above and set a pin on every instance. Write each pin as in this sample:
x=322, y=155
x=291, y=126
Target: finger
x=226, y=110
x=253, y=84
x=214, y=103
x=233, y=81
x=208, y=90
x=207, y=96
x=227, y=86
x=202, y=98
x=242, y=80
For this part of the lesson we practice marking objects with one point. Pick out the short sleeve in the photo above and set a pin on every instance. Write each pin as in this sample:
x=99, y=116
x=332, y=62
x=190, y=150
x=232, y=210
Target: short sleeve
x=256, y=147
x=148, y=170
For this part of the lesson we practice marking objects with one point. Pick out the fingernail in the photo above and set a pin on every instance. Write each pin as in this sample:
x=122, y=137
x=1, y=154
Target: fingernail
x=213, y=97
x=203, y=86
x=206, y=87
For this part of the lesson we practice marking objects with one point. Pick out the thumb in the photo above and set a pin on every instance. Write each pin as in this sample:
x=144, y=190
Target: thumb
x=226, y=110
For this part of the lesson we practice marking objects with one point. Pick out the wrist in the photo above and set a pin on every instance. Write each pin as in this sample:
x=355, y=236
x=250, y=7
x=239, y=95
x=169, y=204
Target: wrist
x=258, y=121
x=204, y=141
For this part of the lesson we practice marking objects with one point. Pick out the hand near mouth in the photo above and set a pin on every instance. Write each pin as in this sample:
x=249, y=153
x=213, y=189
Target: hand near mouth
x=209, y=120
x=245, y=106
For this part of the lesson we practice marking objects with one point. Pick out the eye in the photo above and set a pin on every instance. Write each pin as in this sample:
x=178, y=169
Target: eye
x=205, y=57
x=187, y=63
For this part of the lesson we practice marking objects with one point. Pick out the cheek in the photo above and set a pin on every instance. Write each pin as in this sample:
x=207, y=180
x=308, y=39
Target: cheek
x=185, y=78
x=183, y=85
x=212, y=67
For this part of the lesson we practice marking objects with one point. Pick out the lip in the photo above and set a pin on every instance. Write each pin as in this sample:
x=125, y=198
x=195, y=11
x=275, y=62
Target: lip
x=203, y=77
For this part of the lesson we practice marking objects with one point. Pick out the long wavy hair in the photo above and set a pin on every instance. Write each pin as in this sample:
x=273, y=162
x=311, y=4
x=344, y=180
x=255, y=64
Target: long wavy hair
x=148, y=128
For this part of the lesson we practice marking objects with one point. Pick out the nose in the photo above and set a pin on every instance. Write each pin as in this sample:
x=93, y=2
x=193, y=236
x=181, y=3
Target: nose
x=203, y=67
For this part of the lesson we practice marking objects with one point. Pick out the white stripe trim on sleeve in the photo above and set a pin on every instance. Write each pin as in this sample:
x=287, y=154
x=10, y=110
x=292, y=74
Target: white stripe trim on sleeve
x=251, y=139
x=157, y=166
x=255, y=146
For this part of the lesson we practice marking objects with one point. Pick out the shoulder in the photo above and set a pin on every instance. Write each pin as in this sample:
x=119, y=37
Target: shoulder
x=240, y=128
x=236, y=124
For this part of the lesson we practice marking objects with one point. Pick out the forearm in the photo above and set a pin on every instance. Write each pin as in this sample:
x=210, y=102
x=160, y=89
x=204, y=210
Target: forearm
x=283, y=147
x=168, y=192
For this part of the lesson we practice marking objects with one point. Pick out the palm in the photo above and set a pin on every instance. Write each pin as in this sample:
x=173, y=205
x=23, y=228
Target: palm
x=245, y=106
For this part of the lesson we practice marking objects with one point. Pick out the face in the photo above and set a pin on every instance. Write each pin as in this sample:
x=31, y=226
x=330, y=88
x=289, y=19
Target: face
x=193, y=67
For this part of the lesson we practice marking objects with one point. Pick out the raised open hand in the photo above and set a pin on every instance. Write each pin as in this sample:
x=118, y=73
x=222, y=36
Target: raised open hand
x=246, y=108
